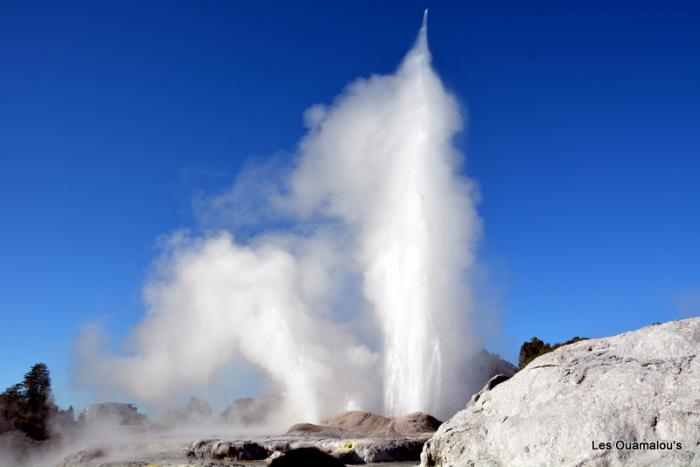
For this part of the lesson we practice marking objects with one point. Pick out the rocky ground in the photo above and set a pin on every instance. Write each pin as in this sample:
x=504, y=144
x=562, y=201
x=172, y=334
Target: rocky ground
x=352, y=438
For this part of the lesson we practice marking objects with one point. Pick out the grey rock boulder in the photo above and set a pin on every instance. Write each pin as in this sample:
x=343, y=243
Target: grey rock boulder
x=638, y=391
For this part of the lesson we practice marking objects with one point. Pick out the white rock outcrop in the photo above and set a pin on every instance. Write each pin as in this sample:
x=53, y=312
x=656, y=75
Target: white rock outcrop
x=631, y=399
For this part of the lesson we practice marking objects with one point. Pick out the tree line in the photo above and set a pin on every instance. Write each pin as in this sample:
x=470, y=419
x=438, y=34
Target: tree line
x=29, y=406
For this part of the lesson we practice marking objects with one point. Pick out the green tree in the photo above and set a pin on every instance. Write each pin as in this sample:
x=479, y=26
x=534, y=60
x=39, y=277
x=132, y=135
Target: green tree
x=535, y=347
x=37, y=387
x=27, y=406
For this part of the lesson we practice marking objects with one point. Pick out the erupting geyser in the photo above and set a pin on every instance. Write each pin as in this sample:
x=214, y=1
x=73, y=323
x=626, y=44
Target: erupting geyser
x=377, y=209
x=417, y=239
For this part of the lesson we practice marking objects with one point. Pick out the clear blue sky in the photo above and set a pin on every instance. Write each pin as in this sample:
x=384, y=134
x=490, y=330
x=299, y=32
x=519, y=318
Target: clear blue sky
x=584, y=134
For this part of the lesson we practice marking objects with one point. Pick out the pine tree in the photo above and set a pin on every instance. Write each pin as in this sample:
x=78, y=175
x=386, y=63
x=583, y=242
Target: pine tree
x=27, y=406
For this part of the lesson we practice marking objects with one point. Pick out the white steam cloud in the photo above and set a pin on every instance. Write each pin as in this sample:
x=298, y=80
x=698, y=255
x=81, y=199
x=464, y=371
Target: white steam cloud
x=363, y=302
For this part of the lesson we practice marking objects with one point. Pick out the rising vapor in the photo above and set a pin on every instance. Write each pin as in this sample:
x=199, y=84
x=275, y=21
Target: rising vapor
x=362, y=303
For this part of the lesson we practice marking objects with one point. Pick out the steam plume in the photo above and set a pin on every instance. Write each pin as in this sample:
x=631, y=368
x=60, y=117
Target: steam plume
x=378, y=212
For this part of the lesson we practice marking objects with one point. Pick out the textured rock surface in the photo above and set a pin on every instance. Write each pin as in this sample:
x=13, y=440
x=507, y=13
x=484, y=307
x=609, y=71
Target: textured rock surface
x=641, y=386
x=230, y=450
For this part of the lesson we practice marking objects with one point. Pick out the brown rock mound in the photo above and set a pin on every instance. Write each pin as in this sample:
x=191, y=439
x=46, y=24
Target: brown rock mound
x=357, y=423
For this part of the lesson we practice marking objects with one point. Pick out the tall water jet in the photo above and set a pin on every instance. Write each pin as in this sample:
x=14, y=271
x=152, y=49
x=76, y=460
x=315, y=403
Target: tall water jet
x=383, y=161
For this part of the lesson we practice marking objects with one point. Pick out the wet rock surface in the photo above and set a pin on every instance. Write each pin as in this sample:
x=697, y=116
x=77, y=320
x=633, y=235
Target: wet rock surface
x=631, y=399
